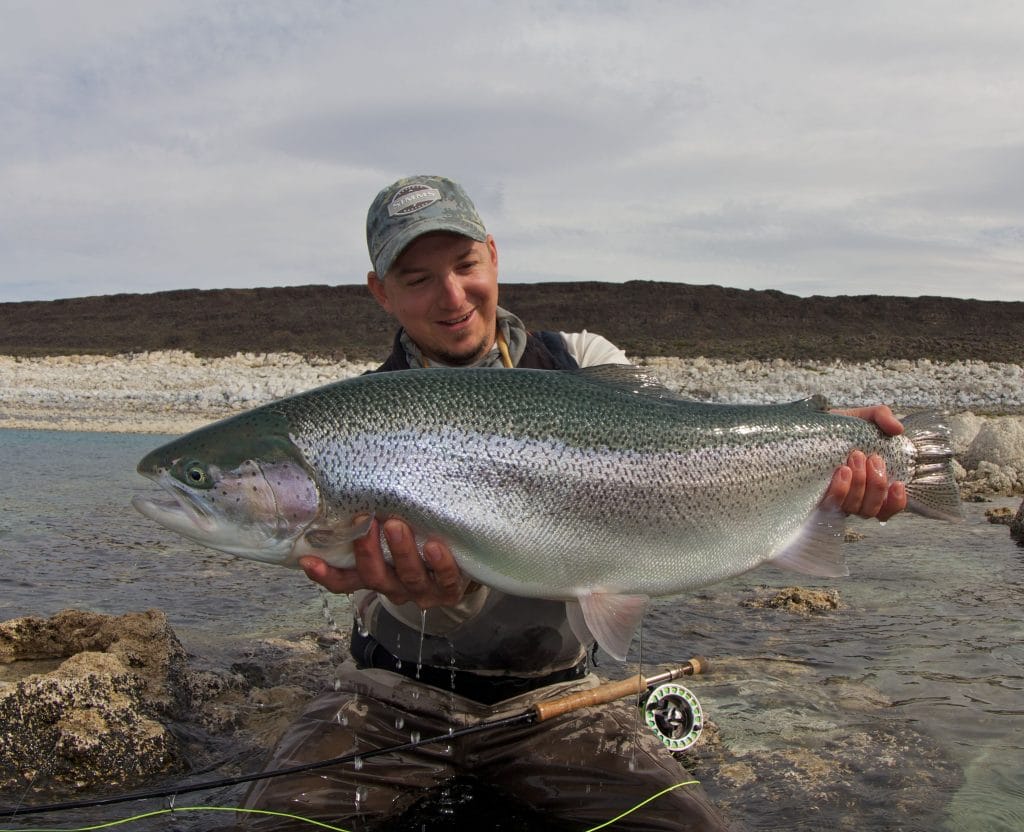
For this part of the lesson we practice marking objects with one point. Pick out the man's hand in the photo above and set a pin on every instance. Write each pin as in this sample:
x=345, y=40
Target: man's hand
x=433, y=580
x=861, y=486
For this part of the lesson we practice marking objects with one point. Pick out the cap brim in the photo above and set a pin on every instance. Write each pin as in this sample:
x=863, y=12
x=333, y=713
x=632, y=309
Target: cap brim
x=397, y=244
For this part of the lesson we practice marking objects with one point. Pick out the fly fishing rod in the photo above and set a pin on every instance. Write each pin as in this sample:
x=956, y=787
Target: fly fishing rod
x=671, y=715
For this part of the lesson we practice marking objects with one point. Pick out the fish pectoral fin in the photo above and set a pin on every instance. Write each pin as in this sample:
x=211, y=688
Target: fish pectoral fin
x=817, y=547
x=331, y=542
x=610, y=620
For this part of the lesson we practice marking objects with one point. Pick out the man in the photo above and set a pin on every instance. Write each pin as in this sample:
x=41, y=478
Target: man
x=432, y=650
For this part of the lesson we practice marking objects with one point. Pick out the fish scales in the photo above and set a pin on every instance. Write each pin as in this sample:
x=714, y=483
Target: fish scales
x=562, y=457
x=577, y=486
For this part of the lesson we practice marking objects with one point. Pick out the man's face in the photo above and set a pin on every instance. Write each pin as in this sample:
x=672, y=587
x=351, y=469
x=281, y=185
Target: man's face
x=443, y=289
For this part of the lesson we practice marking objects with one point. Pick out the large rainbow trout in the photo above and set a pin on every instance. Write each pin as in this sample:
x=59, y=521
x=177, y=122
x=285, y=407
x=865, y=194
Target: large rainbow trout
x=600, y=486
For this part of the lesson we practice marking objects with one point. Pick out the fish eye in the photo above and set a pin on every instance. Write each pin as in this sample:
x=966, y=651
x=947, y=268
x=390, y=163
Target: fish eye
x=196, y=475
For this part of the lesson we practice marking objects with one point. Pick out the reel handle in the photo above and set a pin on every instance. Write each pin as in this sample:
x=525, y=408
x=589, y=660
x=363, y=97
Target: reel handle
x=611, y=691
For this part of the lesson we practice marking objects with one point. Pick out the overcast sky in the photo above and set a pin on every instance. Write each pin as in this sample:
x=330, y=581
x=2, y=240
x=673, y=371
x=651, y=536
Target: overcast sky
x=818, y=147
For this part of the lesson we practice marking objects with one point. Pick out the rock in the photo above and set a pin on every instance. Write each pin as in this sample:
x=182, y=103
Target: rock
x=1001, y=515
x=1017, y=526
x=795, y=599
x=99, y=718
x=989, y=478
x=963, y=428
x=124, y=705
x=1000, y=440
x=143, y=641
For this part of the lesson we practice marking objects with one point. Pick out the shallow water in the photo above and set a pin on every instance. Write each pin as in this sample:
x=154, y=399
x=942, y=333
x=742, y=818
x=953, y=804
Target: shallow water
x=904, y=709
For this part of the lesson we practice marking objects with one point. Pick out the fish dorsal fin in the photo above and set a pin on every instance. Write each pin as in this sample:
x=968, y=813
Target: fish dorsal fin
x=817, y=403
x=628, y=378
x=817, y=547
x=610, y=620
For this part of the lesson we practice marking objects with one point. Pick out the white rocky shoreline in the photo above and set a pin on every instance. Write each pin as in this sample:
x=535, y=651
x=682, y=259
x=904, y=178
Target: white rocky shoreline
x=173, y=392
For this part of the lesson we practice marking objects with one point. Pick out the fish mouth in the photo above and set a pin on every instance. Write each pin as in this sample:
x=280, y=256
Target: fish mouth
x=179, y=511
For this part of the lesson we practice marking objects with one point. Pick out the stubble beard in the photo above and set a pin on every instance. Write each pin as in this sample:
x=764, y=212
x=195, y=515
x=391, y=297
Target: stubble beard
x=465, y=359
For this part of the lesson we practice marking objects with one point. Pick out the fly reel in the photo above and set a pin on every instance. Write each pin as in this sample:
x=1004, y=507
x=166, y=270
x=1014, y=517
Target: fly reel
x=675, y=716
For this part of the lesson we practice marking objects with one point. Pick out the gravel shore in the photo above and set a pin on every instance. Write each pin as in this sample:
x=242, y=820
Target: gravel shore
x=172, y=392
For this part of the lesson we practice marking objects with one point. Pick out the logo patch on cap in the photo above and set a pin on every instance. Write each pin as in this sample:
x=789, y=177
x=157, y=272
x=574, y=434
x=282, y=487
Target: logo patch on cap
x=413, y=198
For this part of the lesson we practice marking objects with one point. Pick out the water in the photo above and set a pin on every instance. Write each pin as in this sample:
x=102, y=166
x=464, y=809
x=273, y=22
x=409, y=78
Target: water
x=905, y=709
x=70, y=538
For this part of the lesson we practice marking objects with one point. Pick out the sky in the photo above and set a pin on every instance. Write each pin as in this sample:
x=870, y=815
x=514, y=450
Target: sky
x=818, y=148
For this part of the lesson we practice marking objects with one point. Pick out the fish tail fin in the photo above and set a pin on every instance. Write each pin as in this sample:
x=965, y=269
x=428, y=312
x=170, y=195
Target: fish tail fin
x=932, y=490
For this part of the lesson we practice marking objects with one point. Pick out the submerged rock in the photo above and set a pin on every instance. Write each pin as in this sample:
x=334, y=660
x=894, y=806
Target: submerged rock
x=99, y=717
x=796, y=599
x=97, y=700
x=999, y=516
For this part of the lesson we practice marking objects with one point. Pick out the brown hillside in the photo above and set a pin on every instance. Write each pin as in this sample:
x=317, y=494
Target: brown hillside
x=643, y=317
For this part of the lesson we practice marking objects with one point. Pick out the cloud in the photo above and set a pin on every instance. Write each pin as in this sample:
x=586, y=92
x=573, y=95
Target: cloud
x=811, y=147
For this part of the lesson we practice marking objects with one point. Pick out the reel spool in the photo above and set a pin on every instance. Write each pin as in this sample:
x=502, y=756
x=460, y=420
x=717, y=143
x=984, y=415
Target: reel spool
x=675, y=716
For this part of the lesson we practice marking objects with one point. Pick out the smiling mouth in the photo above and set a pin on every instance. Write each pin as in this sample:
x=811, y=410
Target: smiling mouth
x=453, y=322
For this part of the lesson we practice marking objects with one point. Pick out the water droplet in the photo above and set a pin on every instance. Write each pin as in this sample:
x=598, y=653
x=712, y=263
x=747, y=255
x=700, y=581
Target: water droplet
x=414, y=737
x=357, y=764
x=399, y=723
x=337, y=684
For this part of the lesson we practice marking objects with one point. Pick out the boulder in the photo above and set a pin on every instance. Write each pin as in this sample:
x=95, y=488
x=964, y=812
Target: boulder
x=1017, y=526
x=99, y=717
x=999, y=440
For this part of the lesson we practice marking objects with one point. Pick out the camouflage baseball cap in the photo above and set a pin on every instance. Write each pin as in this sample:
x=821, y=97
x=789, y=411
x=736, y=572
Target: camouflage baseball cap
x=415, y=206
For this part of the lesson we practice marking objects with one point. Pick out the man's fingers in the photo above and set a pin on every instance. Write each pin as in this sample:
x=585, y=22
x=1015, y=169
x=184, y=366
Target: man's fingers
x=451, y=583
x=374, y=571
x=341, y=581
x=895, y=501
x=876, y=487
x=856, y=462
x=409, y=567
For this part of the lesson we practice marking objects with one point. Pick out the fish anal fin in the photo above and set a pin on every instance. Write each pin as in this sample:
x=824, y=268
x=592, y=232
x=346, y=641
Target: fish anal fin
x=817, y=547
x=612, y=620
x=331, y=542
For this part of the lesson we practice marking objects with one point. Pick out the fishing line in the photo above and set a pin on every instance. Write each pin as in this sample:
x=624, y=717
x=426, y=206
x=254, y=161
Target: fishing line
x=300, y=818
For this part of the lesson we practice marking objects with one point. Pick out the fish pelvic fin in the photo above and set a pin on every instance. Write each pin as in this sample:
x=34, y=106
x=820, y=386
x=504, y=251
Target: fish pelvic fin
x=817, y=547
x=932, y=490
x=609, y=619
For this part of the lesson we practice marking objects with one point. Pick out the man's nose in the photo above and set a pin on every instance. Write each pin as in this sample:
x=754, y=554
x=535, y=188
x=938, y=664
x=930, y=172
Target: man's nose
x=453, y=294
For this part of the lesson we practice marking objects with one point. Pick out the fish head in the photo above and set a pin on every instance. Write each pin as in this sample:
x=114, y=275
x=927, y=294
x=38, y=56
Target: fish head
x=240, y=486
